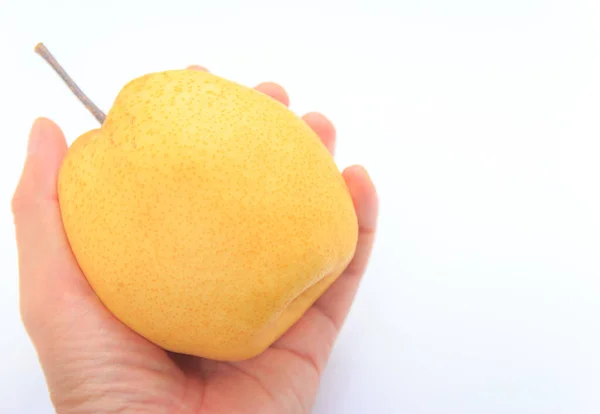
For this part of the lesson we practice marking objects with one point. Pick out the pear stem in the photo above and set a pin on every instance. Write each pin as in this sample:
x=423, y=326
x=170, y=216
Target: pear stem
x=41, y=50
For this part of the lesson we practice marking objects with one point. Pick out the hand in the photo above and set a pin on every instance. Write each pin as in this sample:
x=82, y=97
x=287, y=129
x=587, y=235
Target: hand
x=94, y=364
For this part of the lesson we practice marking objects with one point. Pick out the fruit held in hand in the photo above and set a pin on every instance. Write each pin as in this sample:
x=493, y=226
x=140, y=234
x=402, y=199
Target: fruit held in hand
x=205, y=215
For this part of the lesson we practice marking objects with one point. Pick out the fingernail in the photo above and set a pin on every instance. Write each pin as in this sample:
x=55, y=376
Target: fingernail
x=370, y=202
x=36, y=135
x=198, y=67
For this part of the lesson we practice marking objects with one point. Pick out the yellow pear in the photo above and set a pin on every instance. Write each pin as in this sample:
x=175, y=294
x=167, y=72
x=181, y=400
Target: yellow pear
x=206, y=216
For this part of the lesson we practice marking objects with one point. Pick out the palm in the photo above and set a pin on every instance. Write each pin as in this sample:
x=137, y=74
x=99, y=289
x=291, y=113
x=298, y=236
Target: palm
x=94, y=363
x=284, y=378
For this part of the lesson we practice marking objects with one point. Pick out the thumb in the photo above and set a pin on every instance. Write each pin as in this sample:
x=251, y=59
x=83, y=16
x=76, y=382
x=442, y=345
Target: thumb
x=75, y=337
x=48, y=271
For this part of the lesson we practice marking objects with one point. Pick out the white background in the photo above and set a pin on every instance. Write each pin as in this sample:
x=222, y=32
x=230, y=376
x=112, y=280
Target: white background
x=480, y=123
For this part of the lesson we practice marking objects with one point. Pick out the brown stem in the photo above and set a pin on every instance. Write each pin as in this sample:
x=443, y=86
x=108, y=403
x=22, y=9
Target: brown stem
x=41, y=50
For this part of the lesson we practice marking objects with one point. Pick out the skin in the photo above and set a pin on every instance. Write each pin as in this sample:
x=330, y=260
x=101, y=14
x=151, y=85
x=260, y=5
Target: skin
x=94, y=364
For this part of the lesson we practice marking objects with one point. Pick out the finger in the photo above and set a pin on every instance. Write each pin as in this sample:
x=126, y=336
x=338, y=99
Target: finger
x=313, y=336
x=198, y=67
x=43, y=248
x=46, y=149
x=323, y=128
x=336, y=301
x=271, y=89
x=275, y=91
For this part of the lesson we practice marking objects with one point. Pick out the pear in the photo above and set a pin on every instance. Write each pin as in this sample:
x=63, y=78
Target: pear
x=206, y=216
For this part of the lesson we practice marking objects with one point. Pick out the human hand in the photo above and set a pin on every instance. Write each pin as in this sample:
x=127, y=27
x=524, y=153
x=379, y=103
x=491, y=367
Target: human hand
x=95, y=364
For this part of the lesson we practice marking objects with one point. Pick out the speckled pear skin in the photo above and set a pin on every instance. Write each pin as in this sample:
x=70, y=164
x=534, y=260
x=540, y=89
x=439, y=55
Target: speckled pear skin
x=205, y=215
